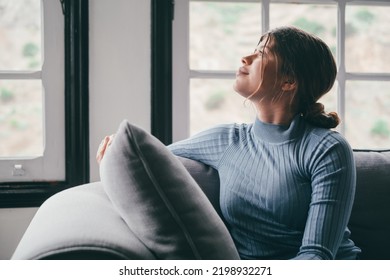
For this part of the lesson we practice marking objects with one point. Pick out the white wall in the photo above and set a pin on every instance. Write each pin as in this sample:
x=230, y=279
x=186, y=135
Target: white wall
x=119, y=68
x=119, y=88
x=13, y=223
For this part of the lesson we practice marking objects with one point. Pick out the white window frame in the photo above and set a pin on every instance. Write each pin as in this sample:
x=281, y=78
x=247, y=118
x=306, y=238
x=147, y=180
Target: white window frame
x=51, y=165
x=182, y=74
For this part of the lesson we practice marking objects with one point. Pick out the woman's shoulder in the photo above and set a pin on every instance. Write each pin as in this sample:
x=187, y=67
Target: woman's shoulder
x=230, y=130
x=325, y=139
x=329, y=134
x=327, y=147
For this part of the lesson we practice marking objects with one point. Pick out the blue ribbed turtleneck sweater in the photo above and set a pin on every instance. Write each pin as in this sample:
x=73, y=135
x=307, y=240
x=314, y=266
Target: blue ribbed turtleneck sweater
x=286, y=191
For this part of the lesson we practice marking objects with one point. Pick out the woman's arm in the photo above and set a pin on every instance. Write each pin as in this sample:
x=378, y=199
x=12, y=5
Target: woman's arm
x=333, y=190
x=207, y=146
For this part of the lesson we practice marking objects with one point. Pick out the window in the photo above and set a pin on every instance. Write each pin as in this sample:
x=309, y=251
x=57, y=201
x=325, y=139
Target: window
x=210, y=37
x=43, y=99
x=31, y=91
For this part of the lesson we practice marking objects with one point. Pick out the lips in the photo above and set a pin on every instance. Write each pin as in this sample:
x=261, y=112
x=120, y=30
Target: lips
x=242, y=71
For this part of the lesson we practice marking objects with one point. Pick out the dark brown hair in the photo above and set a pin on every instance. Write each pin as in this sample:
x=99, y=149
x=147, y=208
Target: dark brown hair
x=307, y=60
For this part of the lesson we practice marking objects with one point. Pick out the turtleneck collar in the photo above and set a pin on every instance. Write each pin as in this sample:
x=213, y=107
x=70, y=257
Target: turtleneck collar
x=274, y=133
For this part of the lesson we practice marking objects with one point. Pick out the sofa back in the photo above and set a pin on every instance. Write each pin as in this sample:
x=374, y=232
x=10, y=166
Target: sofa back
x=370, y=218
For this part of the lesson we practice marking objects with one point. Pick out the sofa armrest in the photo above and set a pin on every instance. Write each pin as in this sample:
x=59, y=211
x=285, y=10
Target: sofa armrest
x=79, y=223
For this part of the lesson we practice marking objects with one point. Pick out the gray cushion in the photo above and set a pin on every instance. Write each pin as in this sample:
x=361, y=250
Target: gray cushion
x=160, y=201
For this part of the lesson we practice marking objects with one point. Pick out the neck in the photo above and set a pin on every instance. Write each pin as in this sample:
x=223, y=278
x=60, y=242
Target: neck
x=276, y=113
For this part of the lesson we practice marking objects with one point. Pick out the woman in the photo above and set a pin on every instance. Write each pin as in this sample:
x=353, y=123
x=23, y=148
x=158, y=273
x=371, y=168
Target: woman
x=287, y=180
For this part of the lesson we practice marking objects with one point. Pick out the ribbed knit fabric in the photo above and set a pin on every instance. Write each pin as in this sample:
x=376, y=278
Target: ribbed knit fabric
x=286, y=192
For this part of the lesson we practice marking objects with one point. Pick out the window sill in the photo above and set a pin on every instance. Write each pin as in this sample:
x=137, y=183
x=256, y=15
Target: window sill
x=28, y=195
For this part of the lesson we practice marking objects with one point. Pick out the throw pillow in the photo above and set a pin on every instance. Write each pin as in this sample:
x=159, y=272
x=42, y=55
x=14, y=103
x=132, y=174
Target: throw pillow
x=160, y=201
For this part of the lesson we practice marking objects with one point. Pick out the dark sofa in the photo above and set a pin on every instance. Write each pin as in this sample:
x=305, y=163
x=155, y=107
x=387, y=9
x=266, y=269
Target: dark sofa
x=81, y=223
x=370, y=218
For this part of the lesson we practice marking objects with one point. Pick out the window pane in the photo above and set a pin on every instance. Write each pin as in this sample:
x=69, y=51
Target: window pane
x=215, y=102
x=368, y=114
x=221, y=33
x=320, y=20
x=21, y=132
x=367, y=39
x=20, y=35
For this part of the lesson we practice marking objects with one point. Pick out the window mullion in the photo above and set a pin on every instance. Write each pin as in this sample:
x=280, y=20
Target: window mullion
x=368, y=76
x=341, y=76
x=210, y=74
x=265, y=15
x=20, y=75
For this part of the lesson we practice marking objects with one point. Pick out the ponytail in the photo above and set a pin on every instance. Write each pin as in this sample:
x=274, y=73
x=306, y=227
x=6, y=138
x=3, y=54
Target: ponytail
x=317, y=116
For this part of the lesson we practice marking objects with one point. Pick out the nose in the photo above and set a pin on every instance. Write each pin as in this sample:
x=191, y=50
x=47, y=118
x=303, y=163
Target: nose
x=247, y=60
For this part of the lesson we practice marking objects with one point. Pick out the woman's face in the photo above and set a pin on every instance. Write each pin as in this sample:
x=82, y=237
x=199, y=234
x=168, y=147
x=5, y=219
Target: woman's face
x=257, y=78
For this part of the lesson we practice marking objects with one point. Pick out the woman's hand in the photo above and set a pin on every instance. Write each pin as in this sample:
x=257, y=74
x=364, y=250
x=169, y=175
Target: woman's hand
x=106, y=142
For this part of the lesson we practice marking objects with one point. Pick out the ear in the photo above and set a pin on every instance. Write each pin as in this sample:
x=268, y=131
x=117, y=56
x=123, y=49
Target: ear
x=289, y=84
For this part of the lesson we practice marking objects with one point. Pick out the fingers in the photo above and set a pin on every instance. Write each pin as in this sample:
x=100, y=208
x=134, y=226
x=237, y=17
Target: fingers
x=110, y=139
x=106, y=142
x=101, y=150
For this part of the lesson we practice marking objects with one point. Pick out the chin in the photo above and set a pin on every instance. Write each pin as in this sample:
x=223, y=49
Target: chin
x=241, y=88
x=240, y=92
x=236, y=88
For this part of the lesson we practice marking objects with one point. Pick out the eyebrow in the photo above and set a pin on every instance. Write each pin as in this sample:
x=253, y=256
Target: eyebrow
x=263, y=49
